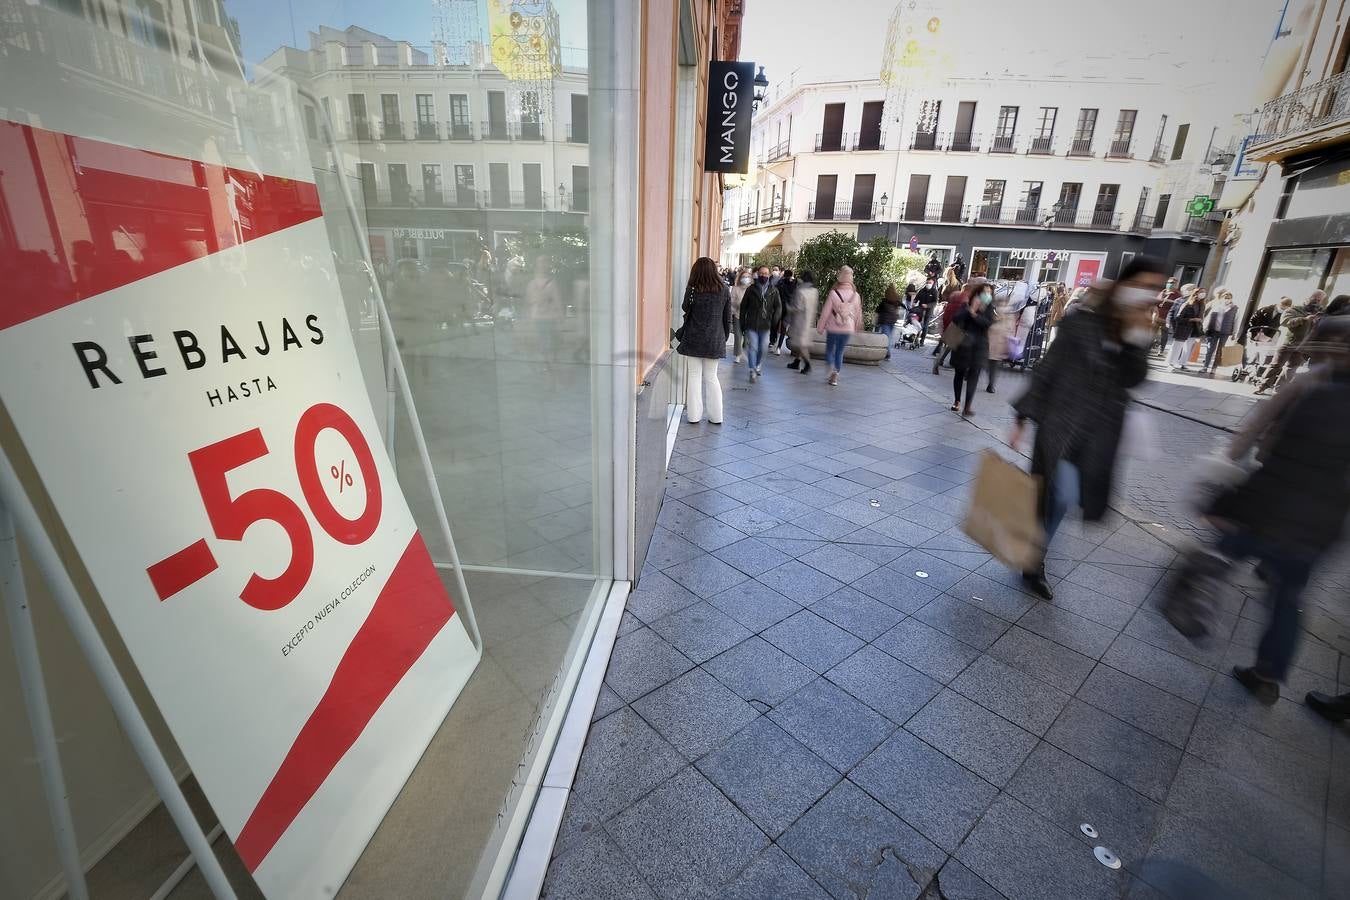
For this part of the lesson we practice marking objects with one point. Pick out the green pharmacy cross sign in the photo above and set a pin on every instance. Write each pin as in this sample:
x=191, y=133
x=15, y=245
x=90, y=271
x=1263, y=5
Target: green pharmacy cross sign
x=1200, y=205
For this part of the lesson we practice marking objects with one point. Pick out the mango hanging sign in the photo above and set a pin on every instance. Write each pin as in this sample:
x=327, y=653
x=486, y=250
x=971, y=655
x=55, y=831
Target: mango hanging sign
x=726, y=145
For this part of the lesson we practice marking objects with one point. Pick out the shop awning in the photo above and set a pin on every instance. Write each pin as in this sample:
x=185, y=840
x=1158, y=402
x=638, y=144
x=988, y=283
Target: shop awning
x=755, y=242
x=1236, y=193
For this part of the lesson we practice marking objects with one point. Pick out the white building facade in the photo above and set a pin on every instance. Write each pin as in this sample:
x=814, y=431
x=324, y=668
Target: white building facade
x=1042, y=179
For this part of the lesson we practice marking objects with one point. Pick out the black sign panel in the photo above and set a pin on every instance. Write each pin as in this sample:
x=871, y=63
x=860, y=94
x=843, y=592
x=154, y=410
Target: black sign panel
x=731, y=91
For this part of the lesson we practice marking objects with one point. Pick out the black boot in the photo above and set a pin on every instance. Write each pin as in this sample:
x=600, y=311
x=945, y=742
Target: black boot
x=794, y=364
x=1264, y=689
x=1036, y=583
x=1337, y=709
x=806, y=366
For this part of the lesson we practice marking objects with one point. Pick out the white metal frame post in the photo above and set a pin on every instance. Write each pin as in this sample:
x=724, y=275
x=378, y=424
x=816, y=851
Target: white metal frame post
x=14, y=501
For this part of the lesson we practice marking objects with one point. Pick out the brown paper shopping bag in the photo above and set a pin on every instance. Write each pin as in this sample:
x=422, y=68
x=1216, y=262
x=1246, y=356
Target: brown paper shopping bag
x=1003, y=516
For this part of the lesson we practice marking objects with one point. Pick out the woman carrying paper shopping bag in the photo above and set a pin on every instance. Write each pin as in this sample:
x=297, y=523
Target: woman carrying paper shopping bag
x=1078, y=395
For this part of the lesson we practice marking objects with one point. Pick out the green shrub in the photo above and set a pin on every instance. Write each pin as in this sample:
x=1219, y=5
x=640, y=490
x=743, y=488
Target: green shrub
x=876, y=264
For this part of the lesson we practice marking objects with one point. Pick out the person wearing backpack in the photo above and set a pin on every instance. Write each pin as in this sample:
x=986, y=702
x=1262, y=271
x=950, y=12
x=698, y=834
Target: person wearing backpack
x=1296, y=323
x=841, y=317
x=761, y=310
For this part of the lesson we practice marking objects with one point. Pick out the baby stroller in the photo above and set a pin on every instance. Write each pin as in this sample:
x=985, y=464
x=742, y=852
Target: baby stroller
x=907, y=333
x=1253, y=366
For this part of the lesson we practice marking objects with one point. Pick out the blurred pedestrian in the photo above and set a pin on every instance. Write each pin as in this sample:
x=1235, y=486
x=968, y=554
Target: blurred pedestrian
x=1162, y=312
x=972, y=355
x=1292, y=509
x=1187, y=325
x=889, y=311
x=802, y=319
x=786, y=285
x=1059, y=299
x=741, y=282
x=1220, y=326
x=1263, y=329
x=999, y=334
x=760, y=311
x=841, y=317
x=956, y=301
x=703, y=339
x=1078, y=395
x=933, y=268
x=1295, y=325
x=926, y=299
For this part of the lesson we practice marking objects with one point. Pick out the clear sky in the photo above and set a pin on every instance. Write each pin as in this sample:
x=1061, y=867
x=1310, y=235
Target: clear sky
x=1177, y=42
x=267, y=24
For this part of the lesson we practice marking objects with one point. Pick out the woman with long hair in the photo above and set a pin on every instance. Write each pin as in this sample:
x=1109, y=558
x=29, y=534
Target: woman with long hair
x=739, y=283
x=972, y=355
x=1078, y=395
x=703, y=339
x=889, y=311
x=840, y=318
x=801, y=319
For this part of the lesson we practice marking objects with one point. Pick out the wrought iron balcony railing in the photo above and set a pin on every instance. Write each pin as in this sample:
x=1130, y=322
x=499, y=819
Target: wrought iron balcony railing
x=1310, y=107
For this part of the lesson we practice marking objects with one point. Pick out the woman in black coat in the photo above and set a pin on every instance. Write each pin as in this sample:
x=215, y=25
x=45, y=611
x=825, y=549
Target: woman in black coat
x=972, y=356
x=703, y=339
x=1078, y=396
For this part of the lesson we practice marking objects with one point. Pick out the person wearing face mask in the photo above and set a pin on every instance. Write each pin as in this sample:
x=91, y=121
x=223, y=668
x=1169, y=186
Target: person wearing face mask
x=972, y=355
x=1162, y=312
x=1220, y=325
x=739, y=282
x=1188, y=322
x=1078, y=395
x=1295, y=325
x=761, y=310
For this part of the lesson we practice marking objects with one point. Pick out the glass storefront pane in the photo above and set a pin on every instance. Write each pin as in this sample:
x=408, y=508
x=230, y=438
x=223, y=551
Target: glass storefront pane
x=1292, y=273
x=452, y=159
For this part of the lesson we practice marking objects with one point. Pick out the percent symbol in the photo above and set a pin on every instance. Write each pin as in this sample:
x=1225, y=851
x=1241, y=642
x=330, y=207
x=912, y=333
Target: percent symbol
x=341, y=475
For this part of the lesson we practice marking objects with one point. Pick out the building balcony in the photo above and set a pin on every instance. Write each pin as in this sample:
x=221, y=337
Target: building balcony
x=845, y=212
x=746, y=219
x=392, y=130
x=1313, y=117
x=494, y=131
x=1157, y=155
x=405, y=196
x=1003, y=143
x=932, y=212
x=360, y=130
x=1042, y=146
x=1142, y=224
x=963, y=142
x=427, y=131
x=777, y=152
x=869, y=141
x=771, y=214
x=1080, y=147
x=1119, y=150
x=833, y=143
x=1203, y=227
x=459, y=131
x=924, y=140
x=578, y=134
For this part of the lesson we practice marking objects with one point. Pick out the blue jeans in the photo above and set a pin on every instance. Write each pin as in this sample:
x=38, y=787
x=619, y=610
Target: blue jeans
x=834, y=350
x=755, y=344
x=1064, y=492
x=889, y=331
x=1287, y=576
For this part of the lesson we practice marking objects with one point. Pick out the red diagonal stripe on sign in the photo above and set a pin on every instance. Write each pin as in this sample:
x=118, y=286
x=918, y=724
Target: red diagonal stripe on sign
x=93, y=216
x=411, y=610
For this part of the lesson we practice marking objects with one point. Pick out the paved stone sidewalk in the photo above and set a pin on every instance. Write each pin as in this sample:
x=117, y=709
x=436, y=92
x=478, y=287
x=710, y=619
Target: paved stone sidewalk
x=821, y=688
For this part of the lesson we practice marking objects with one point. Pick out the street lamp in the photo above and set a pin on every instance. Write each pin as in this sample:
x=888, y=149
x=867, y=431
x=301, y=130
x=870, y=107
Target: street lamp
x=881, y=210
x=761, y=88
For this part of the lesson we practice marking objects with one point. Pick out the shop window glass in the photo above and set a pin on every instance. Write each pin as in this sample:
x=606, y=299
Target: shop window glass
x=503, y=332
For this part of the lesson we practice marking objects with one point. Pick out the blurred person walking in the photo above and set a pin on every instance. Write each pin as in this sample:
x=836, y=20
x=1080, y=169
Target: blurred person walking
x=1078, y=395
x=761, y=309
x=889, y=311
x=703, y=339
x=841, y=317
x=972, y=355
x=1295, y=325
x=1188, y=322
x=925, y=301
x=1220, y=326
x=999, y=334
x=1262, y=331
x=801, y=321
x=739, y=283
x=1292, y=508
x=786, y=285
x=956, y=301
x=1162, y=312
x=1059, y=299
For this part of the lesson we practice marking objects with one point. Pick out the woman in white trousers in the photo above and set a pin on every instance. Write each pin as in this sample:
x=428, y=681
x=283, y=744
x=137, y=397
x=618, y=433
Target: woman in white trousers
x=703, y=339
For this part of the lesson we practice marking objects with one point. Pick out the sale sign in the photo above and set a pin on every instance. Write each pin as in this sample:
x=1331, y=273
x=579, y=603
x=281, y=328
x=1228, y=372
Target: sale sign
x=180, y=368
x=1088, y=271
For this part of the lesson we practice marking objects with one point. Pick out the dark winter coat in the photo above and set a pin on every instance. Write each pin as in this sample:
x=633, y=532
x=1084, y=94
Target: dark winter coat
x=926, y=297
x=974, y=349
x=1265, y=321
x=1187, y=322
x=1221, y=321
x=761, y=308
x=1077, y=399
x=888, y=310
x=707, y=322
x=1299, y=496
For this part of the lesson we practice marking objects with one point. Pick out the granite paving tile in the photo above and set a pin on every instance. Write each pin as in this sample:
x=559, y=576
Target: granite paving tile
x=1122, y=751
x=1044, y=659
x=757, y=670
x=656, y=596
x=1068, y=629
x=594, y=869
x=695, y=712
x=884, y=683
x=700, y=631
x=641, y=662
x=754, y=604
x=837, y=561
x=773, y=874
x=1020, y=698
x=833, y=725
x=624, y=758
x=751, y=556
x=962, y=621
x=895, y=589
x=1160, y=668
x=800, y=582
x=988, y=745
x=1141, y=704
x=811, y=640
x=705, y=575
x=927, y=649
x=857, y=613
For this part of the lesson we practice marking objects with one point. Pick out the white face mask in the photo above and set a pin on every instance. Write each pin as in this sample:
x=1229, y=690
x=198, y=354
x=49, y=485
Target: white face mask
x=745, y=279
x=1138, y=336
x=1135, y=296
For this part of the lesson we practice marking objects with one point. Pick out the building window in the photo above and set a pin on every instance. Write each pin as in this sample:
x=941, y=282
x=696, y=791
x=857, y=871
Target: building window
x=953, y=198
x=400, y=191
x=831, y=135
x=1029, y=209
x=991, y=205
x=869, y=133
x=1082, y=133
x=389, y=114
x=431, y=185
x=1124, y=134
x=581, y=188
x=366, y=173
x=461, y=128
x=530, y=129
x=1157, y=155
x=925, y=129
x=1104, y=210
x=1179, y=144
x=356, y=111
x=426, y=116
x=1007, y=128
x=916, y=201
x=826, y=185
x=311, y=123
x=1160, y=214
x=499, y=185
x=1043, y=140
x=1139, y=216
x=1069, y=194
x=464, y=186
x=579, y=132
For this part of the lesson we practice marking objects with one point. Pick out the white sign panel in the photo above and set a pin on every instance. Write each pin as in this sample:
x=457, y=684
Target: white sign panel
x=181, y=370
